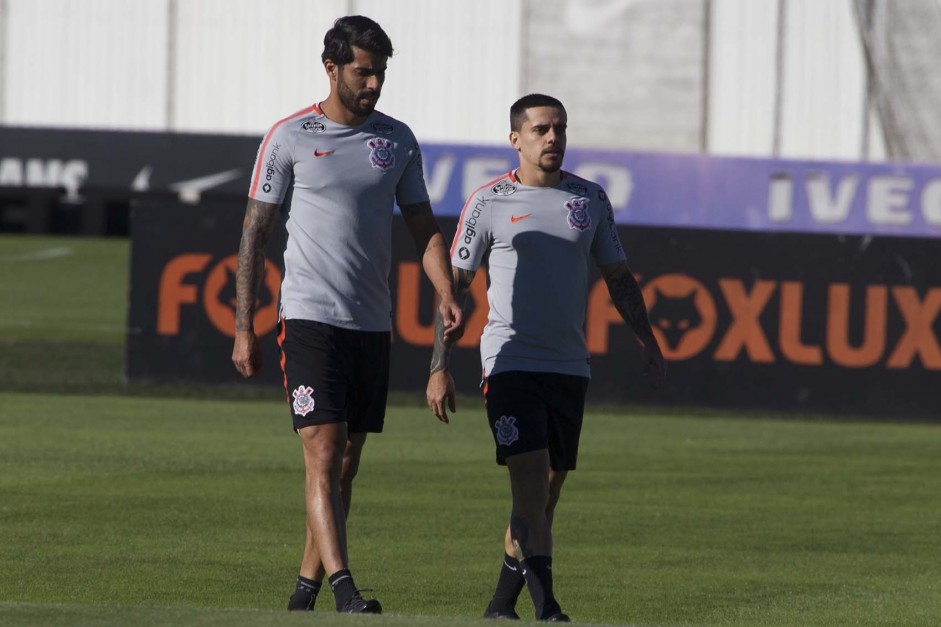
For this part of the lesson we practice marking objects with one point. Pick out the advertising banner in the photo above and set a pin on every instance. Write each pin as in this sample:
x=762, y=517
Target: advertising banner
x=698, y=191
x=646, y=189
x=181, y=320
x=764, y=321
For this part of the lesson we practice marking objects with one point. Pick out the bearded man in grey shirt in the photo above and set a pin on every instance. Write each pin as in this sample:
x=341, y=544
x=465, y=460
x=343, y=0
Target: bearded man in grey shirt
x=539, y=228
x=346, y=165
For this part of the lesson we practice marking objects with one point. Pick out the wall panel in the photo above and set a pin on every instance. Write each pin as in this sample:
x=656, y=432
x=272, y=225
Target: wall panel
x=824, y=82
x=457, y=67
x=742, y=81
x=241, y=65
x=96, y=63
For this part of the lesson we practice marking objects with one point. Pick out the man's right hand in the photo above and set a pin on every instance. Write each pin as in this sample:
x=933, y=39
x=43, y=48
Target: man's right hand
x=246, y=355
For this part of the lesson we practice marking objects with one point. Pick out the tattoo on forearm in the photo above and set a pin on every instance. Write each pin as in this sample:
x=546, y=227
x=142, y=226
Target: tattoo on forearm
x=250, y=270
x=629, y=301
x=435, y=243
x=441, y=352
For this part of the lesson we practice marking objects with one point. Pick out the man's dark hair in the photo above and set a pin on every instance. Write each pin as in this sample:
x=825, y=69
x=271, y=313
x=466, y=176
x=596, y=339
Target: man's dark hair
x=518, y=110
x=354, y=30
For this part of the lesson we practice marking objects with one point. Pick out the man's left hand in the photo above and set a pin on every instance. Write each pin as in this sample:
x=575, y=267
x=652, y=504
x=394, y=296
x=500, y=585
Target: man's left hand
x=440, y=394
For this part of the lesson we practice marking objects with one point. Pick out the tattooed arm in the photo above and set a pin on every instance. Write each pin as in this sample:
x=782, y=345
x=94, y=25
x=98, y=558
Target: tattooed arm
x=440, y=390
x=629, y=301
x=433, y=252
x=260, y=218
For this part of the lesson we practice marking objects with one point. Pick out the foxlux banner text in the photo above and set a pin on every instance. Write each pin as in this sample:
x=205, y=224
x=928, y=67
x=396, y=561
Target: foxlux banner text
x=790, y=322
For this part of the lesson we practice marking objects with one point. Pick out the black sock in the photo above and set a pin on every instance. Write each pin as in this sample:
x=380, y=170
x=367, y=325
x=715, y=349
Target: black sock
x=537, y=569
x=509, y=586
x=305, y=593
x=341, y=582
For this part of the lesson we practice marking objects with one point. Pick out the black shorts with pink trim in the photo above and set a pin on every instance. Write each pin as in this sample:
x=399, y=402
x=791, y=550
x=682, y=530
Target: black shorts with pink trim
x=333, y=374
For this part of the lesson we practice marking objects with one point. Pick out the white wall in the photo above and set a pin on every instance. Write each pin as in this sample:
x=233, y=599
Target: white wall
x=823, y=108
x=89, y=63
x=824, y=81
x=457, y=66
x=242, y=65
x=742, y=86
x=237, y=66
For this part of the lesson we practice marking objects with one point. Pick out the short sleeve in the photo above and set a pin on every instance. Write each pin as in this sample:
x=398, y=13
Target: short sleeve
x=606, y=247
x=411, y=188
x=473, y=235
x=274, y=166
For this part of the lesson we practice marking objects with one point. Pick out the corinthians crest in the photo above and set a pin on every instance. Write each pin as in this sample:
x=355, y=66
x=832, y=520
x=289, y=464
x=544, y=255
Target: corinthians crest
x=506, y=430
x=381, y=156
x=303, y=400
x=578, y=217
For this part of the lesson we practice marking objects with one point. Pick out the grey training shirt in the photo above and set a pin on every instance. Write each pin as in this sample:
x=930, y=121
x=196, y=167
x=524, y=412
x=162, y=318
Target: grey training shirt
x=540, y=242
x=344, y=180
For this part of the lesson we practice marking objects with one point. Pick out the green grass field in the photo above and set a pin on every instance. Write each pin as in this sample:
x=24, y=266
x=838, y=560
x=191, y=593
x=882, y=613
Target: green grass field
x=128, y=505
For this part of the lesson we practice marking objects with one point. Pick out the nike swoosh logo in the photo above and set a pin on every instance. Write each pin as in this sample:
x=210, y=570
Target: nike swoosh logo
x=518, y=218
x=141, y=182
x=189, y=187
x=510, y=567
x=323, y=153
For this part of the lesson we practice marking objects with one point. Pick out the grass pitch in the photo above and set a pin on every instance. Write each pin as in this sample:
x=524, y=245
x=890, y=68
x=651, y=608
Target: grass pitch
x=119, y=507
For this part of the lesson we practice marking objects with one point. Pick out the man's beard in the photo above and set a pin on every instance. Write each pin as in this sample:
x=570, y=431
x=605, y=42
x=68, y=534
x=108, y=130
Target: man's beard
x=352, y=101
x=551, y=167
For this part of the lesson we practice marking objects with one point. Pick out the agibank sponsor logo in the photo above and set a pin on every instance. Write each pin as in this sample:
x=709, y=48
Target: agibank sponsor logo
x=269, y=167
x=469, y=225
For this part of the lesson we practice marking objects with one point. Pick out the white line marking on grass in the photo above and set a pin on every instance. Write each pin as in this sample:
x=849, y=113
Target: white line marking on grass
x=40, y=255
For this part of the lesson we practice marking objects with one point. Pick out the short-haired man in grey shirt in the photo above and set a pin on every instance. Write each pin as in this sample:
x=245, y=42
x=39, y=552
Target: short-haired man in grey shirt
x=539, y=228
x=346, y=164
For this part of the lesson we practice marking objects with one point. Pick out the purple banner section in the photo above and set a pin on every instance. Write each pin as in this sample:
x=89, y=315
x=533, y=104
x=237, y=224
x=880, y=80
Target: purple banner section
x=646, y=189
x=694, y=191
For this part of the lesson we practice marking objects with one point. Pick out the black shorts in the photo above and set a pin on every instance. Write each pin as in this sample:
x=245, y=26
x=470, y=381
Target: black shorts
x=529, y=411
x=335, y=375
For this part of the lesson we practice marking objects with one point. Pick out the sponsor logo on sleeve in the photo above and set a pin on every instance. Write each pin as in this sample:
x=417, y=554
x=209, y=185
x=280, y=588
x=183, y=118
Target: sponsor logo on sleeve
x=470, y=224
x=463, y=253
x=503, y=188
x=269, y=167
x=578, y=217
x=381, y=153
x=612, y=228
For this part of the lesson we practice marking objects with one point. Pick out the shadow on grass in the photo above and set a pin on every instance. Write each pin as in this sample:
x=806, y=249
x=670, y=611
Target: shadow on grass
x=97, y=368
x=38, y=367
